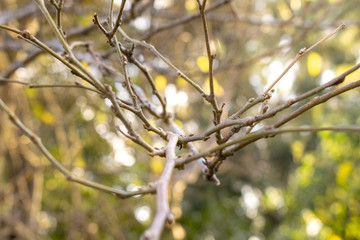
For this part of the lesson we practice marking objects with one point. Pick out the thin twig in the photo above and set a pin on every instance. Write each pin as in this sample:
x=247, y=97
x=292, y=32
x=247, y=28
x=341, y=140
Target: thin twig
x=10, y=29
x=110, y=34
x=183, y=20
x=72, y=58
x=263, y=134
x=211, y=97
x=6, y=80
x=248, y=121
x=58, y=6
x=164, y=59
x=316, y=101
x=301, y=53
x=31, y=85
x=151, y=81
x=248, y=105
x=134, y=136
x=118, y=19
x=208, y=50
x=69, y=176
x=123, y=61
x=77, y=85
x=202, y=162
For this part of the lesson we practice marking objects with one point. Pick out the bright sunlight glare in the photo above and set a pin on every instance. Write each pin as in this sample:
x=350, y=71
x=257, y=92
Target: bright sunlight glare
x=142, y=214
x=313, y=227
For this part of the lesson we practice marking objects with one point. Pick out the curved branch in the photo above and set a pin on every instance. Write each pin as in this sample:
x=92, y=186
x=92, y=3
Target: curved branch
x=248, y=121
x=252, y=137
x=301, y=53
x=69, y=176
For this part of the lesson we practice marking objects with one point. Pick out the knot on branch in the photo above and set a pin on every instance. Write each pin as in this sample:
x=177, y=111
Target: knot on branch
x=27, y=35
x=152, y=186
x=69, y=178
x=212, y=178
x=75, y=73
x=111, y=42
x=170, y=218
x=157, y=152
x=180, y=166
x=108, y=89
x=302, y=51
x=124, y=59
x=251, y=100
x=206, y=138
x=264, y=109
x=119, y=196
x=146, y=235
x=208, y=97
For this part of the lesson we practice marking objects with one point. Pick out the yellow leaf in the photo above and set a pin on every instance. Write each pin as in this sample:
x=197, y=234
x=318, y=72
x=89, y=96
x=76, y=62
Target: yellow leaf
x=51, y=184
x=160, y=82
x=203, y=63
x=156, y=165
x=284, y=11
x=349, y=36
x=220, y=47
x=191, y=6
x=79, y=162
x=151, y=132
x=314, y=64
x=307, y=215
x=317, y=114
x=31, y=92
x=178, y=232
x=297, y=150
x=219, y=91
x=181, y=83
x=136, y=181
x=101, y=117
x=48, y=118
x=85, y=64
x=295, y=4
x=334, y=237
x=343, y=173
x=179, y=123
x=33, y=26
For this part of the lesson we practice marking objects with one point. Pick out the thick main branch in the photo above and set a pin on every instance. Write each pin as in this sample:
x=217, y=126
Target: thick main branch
x=163, y=213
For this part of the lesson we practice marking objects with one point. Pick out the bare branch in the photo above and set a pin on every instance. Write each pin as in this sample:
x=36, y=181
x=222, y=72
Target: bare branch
x=134, y=136
x=164, y=59
x=151, y=81
x=301, y=53
x=316, y=101
x=193, y=151
x=211, y=97
x=163, y=213
x=248, y=121
x=118, y=19
x=183, y=20
x=247, y=139
x=31, y=85
x=72, y=57
x=69, y=176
